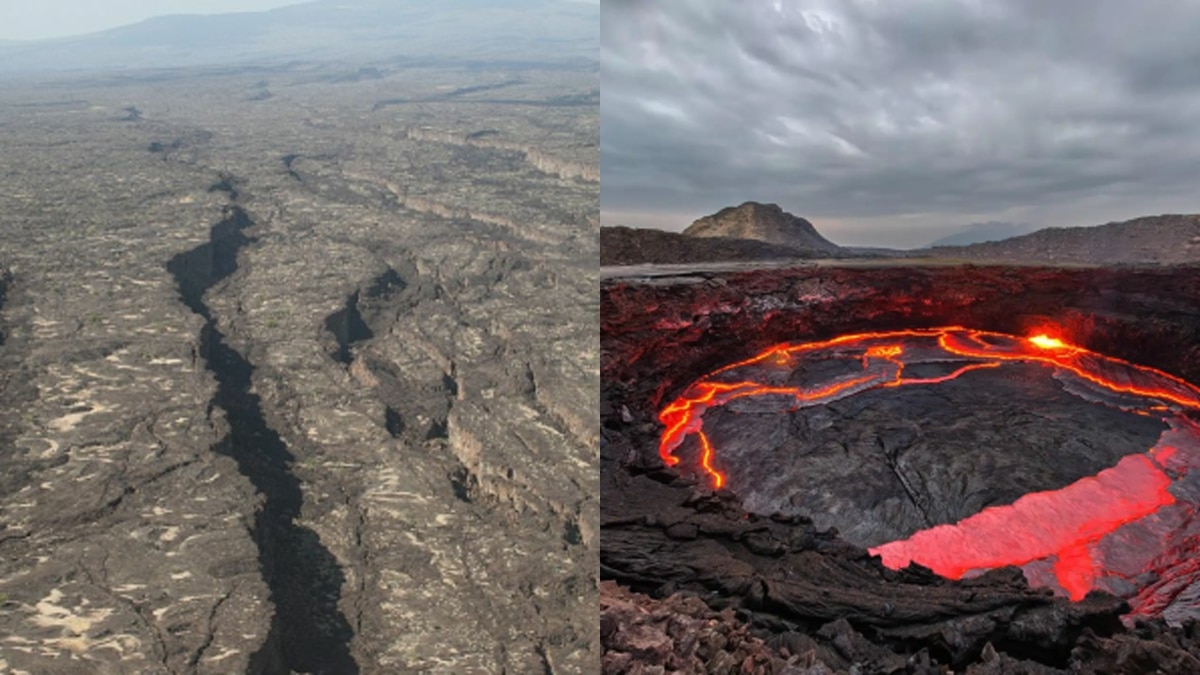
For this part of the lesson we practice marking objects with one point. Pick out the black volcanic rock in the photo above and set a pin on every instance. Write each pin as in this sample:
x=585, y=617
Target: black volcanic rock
x=926, y=461
x=763, y=222
x=264, y=415
x=635, y=246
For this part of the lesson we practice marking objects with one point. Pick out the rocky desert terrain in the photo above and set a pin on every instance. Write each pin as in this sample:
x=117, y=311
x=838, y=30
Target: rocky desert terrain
x=299, y=369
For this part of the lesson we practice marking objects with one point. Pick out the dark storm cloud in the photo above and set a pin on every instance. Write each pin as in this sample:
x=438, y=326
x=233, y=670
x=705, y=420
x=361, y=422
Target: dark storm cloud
x=871, y=109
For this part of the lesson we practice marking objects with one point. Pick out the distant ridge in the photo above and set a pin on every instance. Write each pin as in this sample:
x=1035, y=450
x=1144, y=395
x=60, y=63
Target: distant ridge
x=977, y=233
x=1164, y=240
x=406, y=31
x=766, y=223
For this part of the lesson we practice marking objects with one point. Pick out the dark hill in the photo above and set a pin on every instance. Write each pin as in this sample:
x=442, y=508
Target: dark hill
x=633, y=246
x=763, y=222
x=1165, y=240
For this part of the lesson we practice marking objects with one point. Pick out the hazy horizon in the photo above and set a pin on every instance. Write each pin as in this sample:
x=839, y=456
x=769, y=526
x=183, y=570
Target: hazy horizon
x=902, y=232
x=276, y=32
x=51, y=19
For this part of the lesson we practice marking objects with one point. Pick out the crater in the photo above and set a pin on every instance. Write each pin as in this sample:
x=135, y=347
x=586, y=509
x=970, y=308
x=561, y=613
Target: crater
x=786, y=441
x=309, y=632
x=958, y=449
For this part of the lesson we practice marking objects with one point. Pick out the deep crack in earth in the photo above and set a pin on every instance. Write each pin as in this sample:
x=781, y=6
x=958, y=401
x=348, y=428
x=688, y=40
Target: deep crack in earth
x=309, y=633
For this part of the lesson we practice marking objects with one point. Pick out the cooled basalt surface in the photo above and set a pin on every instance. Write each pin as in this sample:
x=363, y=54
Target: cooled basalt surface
x=890, y=461
x=290, y=386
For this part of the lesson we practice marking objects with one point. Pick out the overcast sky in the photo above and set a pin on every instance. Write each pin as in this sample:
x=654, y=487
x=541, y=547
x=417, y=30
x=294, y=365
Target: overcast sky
x=36, y=19
x=895, y=123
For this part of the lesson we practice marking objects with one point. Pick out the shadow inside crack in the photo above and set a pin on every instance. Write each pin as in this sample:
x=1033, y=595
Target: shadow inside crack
x=309, y=633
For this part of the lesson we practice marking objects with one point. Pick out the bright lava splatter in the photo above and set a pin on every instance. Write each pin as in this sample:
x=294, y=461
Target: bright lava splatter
x=1061, y=527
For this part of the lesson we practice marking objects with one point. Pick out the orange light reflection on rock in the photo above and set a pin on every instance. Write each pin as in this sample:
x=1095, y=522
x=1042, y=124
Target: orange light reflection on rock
x=682, y=416
x=1059, y=524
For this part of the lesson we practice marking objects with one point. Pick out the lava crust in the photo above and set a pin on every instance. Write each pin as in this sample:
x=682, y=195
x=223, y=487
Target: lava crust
x=806, y=448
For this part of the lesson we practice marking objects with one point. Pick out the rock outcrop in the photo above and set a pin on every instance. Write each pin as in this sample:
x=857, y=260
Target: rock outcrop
x=546, y=162
x=763, y=222
x=682, y=635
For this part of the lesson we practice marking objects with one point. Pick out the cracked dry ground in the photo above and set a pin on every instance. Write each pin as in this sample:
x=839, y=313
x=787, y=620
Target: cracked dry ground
x=288, y=386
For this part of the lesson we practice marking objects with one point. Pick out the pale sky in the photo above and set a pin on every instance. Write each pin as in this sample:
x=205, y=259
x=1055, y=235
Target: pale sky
x=896, y=123
x=37, y=19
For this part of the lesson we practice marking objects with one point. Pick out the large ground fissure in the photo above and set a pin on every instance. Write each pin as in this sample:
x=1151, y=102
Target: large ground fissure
x=309, y=632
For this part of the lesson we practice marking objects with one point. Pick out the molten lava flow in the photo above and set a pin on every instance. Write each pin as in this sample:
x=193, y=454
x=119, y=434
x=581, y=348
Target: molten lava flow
x=1039, y=525
x=1046, y=342
x=718, y=479
x=1062, y=528
x=682, y=417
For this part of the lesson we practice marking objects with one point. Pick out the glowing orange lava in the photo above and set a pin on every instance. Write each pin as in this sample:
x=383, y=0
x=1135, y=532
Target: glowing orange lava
x=988, y=349
x=718, y=479
x=1041, y=524
x=1046, y=342
x=1059, y=526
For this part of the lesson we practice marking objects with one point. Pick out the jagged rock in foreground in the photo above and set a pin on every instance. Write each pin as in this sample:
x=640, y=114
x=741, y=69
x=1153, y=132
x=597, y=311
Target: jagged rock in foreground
x=681, y=634
x=763, y=222
x=793, y=583
x=788, y=578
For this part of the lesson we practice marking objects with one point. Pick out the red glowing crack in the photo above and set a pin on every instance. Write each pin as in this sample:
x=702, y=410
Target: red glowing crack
x=682, y=416
x=1060, y=526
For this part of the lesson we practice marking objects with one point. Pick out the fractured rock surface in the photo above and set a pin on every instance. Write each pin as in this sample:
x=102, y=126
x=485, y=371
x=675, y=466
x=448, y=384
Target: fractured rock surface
x=287, y=387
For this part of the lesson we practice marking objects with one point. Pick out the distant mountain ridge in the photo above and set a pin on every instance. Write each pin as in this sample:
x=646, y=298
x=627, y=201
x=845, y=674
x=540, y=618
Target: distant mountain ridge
x=766, y=223
x=977, y=233
x=377, y=30
x=750, y=231
x=754, y=231
x=1164, y=240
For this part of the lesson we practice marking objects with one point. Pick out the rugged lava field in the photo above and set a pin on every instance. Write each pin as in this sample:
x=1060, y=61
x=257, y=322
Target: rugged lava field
x=275, y=390
x=759, y=433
